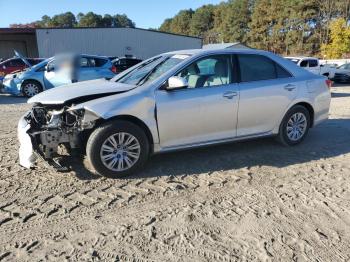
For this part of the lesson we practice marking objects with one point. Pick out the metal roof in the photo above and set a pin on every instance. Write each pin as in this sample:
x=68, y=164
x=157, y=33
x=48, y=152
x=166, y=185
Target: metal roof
x=222, y=45
x=32, y=30
x=17, y=30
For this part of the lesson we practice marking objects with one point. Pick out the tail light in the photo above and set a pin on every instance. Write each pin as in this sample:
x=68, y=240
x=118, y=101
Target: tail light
x=329, y=83
x=114, y=69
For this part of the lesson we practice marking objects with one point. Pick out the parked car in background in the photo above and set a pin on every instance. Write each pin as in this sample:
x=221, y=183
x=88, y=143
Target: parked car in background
x=313, y=65
x=123, y=63
x=17, y=64
x=342, y=74
x=57, y=71
x=173, y=101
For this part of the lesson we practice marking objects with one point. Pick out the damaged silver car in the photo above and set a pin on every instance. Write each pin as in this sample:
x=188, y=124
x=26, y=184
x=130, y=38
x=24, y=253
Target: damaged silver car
x=174, y=101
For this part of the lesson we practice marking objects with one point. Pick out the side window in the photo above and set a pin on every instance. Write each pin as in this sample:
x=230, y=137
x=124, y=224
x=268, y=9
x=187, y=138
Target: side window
x=313, y=63
x=256, y=67
x=281, y=72
x=304, y=63
x=84, y=62
x=209, y=71
x=99, y=62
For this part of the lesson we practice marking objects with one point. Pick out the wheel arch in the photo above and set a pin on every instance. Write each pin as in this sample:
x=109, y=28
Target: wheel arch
x=135, y=121
x=32, y=80
x=309, y=108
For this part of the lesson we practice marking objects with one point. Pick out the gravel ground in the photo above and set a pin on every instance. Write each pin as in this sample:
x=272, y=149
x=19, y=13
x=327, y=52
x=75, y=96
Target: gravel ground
x=251, y=201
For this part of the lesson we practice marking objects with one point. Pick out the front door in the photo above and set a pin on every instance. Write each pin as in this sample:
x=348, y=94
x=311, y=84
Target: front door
x=58, y=73
x=205, y=111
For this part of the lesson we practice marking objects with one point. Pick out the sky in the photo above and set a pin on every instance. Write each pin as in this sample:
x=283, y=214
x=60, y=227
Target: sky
x=146, y=14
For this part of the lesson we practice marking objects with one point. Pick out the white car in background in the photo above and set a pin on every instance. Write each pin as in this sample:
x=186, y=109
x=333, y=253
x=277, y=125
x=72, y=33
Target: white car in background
x=314, y=66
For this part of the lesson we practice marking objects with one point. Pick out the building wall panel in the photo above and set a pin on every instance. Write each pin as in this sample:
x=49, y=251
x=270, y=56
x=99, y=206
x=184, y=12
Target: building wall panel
x=111, y=42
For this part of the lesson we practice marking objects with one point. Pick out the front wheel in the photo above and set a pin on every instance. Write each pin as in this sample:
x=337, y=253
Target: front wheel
x=117, y=149
x=31, y=88
x=295, y=126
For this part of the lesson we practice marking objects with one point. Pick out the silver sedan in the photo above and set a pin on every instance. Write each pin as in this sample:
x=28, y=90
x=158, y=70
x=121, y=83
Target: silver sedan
x=175, y=101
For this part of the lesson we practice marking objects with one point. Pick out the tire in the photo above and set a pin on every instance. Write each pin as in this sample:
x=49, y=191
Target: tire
x=31, y=88
x=122, y=154
x=286, y=137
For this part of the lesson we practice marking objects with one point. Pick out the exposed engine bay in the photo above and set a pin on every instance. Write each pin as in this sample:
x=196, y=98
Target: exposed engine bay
x=51, y=127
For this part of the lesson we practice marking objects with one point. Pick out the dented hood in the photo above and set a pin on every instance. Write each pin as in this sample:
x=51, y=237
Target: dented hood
x=80, y=92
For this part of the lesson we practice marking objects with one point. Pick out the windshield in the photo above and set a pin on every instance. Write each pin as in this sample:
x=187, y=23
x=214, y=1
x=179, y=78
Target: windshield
x=151, y=69
x=40, y=65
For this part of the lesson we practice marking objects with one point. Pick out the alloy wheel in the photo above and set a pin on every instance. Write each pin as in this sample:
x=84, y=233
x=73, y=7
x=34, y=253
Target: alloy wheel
x=31, y=89
x=120, y=151
x=296, y=126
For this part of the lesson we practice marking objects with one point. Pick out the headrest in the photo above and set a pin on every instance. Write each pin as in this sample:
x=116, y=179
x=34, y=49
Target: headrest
x=221, y=68
x=193, y=69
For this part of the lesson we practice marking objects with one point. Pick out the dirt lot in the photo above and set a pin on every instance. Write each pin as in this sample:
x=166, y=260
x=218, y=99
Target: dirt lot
x=252, y=201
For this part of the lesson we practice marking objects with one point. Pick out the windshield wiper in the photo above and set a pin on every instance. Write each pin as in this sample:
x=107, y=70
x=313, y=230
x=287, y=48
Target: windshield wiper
x=145, y=78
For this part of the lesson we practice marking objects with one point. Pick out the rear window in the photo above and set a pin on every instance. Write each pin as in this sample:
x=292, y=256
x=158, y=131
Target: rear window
x=258, y=67
x=100, y=62
x=92, y=62
x=313, y=63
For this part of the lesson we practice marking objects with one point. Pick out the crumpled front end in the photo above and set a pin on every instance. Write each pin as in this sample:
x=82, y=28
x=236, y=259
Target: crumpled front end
x=43, y=129
x=11, y=86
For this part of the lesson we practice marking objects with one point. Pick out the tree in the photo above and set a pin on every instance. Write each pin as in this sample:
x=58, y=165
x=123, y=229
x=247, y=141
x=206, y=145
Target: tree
x=202, y=20
x=166, y=25
x=123, y=21
x=179, y=24
x=234, y=20
x=90, y=19
x=62, y=20
x=339, y=40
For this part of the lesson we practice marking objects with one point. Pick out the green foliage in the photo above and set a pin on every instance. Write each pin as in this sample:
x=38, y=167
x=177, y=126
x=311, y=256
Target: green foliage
x=89, y=19
x=339, y=45
x=298, y=27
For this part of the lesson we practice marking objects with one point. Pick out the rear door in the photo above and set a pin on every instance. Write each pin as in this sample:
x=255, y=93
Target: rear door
x=205, y=111
x=266, y=90
x=93, y=68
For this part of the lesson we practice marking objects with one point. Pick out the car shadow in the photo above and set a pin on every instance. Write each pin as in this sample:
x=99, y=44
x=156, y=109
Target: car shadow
x=339, y=95
x=6, y=99
x=328, y=140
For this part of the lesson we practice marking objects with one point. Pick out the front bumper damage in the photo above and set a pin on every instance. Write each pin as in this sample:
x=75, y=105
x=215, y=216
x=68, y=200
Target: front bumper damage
x=42, y=131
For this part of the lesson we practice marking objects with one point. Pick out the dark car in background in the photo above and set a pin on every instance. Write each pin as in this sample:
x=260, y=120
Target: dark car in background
x=123, y=63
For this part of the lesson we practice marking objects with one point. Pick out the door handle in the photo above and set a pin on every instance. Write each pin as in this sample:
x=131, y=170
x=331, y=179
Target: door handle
x=290, y=87
x=229, y=95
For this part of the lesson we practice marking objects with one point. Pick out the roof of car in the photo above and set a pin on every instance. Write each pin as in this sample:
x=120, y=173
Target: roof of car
x=300, y=57
x=213, y=51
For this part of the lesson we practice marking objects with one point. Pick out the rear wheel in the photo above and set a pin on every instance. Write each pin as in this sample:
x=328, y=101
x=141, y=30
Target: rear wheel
x=31, y=88
x=117, y=149
x=295, y=126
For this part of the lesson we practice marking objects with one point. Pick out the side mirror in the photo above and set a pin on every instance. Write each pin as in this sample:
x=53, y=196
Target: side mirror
x=49, y=68
x=321, y=65
x=176, y=82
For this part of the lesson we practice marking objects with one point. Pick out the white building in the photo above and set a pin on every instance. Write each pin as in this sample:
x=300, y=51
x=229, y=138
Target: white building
x=111, y=41
x=47, y=42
